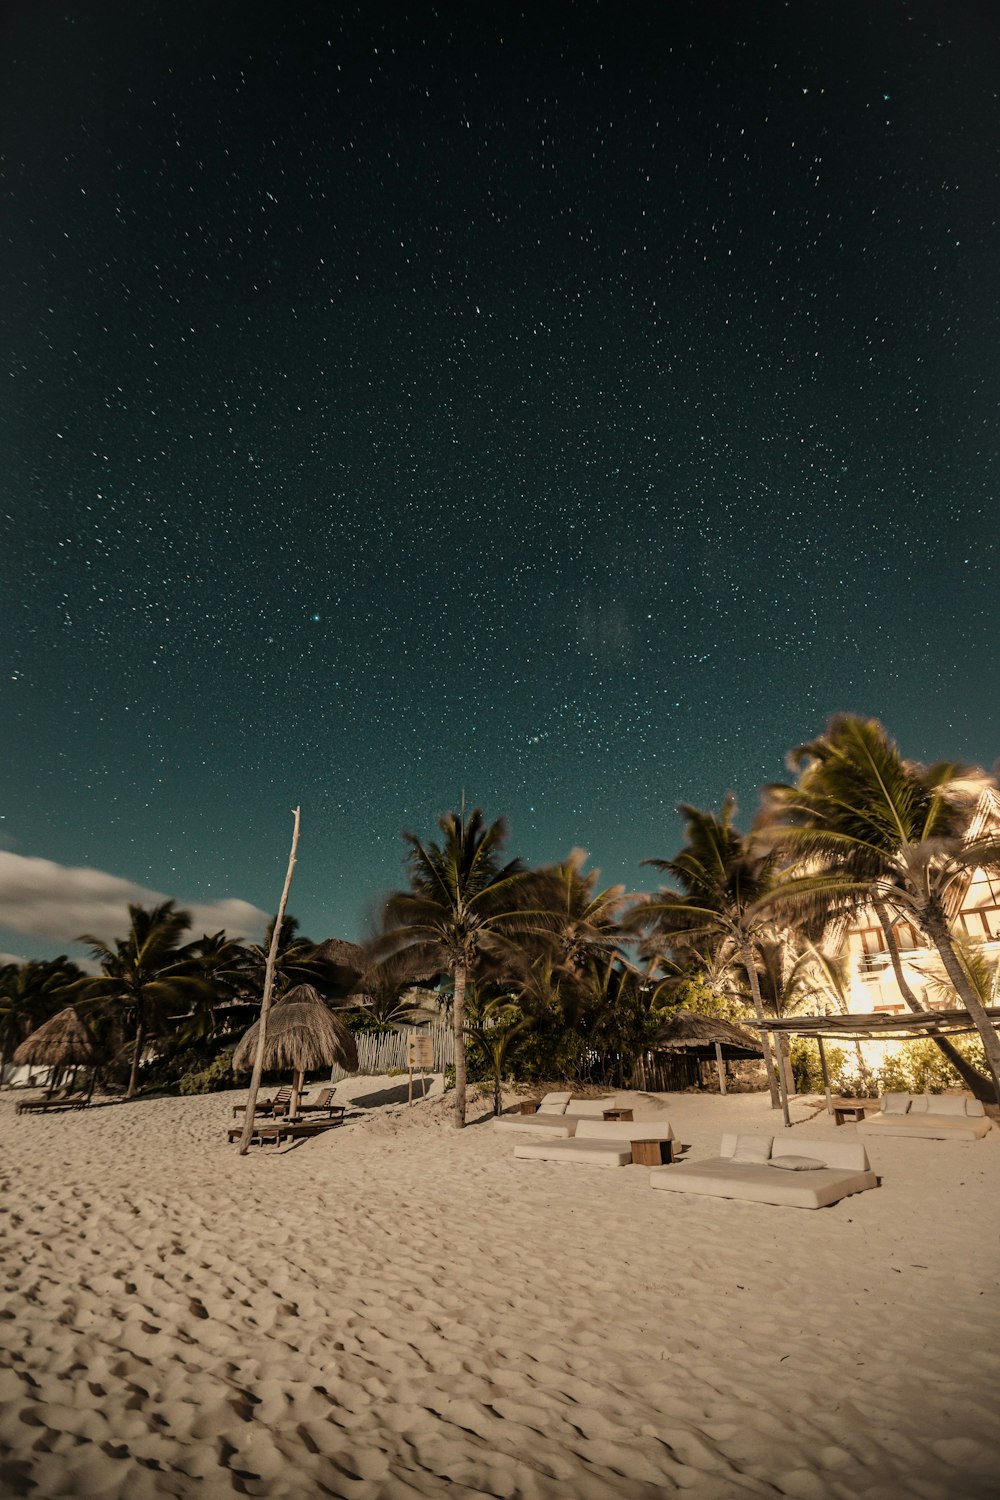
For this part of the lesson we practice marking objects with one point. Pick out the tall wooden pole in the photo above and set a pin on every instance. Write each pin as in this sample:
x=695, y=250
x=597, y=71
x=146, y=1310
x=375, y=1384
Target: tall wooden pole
x=826, y=1075
x=265, y=1004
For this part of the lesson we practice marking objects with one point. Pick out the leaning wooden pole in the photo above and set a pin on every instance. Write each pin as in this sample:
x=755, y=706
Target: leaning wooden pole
x=265, y=1004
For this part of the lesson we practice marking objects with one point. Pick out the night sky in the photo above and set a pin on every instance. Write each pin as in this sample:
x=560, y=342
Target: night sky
x=570, y=404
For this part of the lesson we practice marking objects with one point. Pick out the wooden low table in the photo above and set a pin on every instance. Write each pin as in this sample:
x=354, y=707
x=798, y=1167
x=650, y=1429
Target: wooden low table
x=529, y=1106
x=617, y=1114
x=844, y=1112
x=652, y=1153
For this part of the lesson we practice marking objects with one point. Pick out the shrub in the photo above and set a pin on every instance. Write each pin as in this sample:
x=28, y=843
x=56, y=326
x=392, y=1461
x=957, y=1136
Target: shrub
x=218, y=1075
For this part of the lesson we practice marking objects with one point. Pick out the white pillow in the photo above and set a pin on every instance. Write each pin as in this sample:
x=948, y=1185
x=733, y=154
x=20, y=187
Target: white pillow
x=895, y=1104
x=946, y=1104
x=796, y=1163
x=752, y=1148
x=919, y=1104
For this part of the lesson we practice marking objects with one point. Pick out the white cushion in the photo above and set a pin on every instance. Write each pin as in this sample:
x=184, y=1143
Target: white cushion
x=796, y=1163
x=554, y=1104
x=589, y=1109
x=947, y=1104
x=920, y=1103
x=752, y=1148
x=657, y=1128
x=895, y=1104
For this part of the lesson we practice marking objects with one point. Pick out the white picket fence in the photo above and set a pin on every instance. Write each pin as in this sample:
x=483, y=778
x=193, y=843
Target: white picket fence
x=381, y=1054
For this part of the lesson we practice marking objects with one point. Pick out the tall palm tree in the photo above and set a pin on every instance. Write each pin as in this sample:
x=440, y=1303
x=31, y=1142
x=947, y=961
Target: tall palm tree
x=462, y=902
x=725, y=889
x=145, y=973
x=30, y=994
x=867, y=825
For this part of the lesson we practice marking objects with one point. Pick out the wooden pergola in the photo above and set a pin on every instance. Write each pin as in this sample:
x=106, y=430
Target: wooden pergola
x=865, y=1026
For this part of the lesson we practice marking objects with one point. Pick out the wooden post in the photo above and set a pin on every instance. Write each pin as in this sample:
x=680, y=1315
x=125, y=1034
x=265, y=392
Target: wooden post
x=265, y=1004
x=826, y=1075
x=720, y=1065
x=783, y=1086
x=298, y=1079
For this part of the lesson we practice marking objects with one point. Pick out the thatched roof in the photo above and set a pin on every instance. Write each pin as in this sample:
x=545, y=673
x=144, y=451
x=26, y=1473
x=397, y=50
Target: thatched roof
x=62, y=1042
x=303, y=1033
x=339, y=965
x=686, y=1031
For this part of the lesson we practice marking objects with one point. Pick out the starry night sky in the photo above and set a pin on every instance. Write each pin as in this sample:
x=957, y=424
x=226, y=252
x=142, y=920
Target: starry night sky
x=573, y=404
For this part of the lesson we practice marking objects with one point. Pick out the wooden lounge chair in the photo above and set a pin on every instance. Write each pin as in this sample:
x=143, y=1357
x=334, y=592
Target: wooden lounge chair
x=325, y=1103
x=275, y=1107
x=42, y=1106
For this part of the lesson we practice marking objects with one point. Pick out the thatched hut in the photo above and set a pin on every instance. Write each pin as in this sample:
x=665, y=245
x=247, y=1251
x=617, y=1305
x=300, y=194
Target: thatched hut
x=302, y=1034
x=62, y=1042
x=706, y=1038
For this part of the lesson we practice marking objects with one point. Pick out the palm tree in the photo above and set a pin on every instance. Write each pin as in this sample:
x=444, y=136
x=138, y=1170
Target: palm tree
x=30, y=994
x=582, y=923
x=868, y=826
x=295, y=963
x=726, y=887
x=461, y=903
x=145, y=973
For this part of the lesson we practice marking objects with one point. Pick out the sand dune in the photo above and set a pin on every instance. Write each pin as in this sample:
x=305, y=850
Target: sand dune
x=395, y=1309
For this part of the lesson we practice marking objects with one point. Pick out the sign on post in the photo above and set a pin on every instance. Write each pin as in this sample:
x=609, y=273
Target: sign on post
x=419, y=1054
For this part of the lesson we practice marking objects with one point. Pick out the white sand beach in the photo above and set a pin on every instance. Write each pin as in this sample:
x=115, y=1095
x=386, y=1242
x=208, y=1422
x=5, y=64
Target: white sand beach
x=397, y=1309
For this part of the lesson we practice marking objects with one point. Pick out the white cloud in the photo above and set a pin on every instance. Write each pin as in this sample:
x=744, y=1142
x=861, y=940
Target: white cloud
x=45, y=899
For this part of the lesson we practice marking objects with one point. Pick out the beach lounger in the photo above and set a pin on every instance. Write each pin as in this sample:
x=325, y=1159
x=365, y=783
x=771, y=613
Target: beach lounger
x=279, y=1105
x=930, y=1117
x=325, y=1104
x=557, y=1115
x=759, y=1169
x=599, y=1143
x=44, y=1106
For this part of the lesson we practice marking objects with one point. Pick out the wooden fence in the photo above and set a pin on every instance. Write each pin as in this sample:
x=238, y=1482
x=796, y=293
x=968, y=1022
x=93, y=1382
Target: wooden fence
x=382, y=1052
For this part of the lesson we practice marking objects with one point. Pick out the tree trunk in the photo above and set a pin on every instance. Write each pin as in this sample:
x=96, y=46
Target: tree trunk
x=772, y=1079
x=458, y=1026
x=140, y=1037
x=265, y=1004
x=937, y=929
x=981, y=1087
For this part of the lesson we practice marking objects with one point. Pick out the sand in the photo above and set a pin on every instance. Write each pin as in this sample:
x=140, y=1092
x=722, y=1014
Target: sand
x=399, y=1309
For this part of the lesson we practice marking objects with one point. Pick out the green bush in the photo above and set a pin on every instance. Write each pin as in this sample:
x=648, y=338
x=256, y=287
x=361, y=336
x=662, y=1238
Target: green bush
x=218, y=1075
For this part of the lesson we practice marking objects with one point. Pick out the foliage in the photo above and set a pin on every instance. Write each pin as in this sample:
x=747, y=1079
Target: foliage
x=218, y=1075
x=917, y=1067
x=807, y=1069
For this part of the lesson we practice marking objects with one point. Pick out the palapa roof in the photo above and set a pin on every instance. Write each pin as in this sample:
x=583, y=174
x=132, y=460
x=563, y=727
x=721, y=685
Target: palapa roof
x=61, y=1042
x=686, y=1031
x=343, y=962
x=302, y=1034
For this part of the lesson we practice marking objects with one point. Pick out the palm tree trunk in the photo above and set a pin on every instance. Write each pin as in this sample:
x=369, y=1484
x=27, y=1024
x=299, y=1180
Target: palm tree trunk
x=140, y=1036
x=981, y=1087
x=458, y=1026
x=937, y=930
x=751, y=968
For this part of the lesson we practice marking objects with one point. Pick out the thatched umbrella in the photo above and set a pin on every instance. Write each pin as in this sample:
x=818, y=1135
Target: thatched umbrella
x=706, y=1036
x=303, y=1033
x=62, y=1042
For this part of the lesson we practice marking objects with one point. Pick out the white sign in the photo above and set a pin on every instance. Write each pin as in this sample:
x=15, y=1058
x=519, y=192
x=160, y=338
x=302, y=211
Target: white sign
x=420, y=1050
